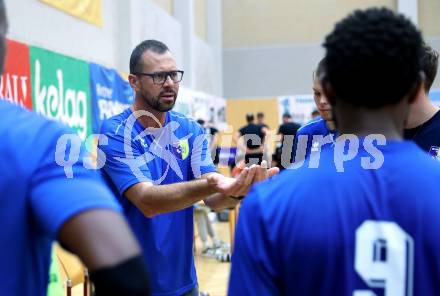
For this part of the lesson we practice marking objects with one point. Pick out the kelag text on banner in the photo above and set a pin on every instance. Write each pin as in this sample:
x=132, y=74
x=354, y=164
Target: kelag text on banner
x=61, y=89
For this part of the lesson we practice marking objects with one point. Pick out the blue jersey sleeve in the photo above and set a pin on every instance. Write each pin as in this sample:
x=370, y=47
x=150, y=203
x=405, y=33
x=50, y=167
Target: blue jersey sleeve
x=253, y=269
x=301, y=145
x=53, y=197
x=124, y=163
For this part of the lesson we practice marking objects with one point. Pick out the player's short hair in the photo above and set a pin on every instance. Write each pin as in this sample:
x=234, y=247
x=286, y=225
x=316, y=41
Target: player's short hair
x=147, y=45
x=373, y=58
x=250, y=117
x=429, y=65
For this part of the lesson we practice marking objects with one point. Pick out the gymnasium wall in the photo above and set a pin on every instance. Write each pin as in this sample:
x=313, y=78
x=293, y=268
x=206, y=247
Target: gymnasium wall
x=34, y=22
x=269, y=71
x=166, y=5
x=277, y=49
x=250, y=23
x=429, y=20
x=125, y=24
x=144, y=20
x=200, y=19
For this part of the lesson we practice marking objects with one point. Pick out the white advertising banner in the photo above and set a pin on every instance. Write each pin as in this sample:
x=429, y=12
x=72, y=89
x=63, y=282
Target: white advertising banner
x=199, y=105
x=299, y=106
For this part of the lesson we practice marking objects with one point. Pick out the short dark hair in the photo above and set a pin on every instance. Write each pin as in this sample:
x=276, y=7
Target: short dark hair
x=287, y=115
x=147, y=45
x=260, y=114
x=429, y=65
x=373, y=58
x=201, y=122
x=250, y=117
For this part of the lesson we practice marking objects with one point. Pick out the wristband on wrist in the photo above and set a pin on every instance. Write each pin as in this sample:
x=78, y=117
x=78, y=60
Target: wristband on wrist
x=237, y=197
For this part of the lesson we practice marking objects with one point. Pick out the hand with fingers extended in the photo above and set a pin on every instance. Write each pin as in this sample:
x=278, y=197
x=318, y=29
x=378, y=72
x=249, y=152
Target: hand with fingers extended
x=263, y=172
x=241, y=184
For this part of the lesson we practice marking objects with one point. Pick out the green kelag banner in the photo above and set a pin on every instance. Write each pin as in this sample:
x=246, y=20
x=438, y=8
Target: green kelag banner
x=61, y=89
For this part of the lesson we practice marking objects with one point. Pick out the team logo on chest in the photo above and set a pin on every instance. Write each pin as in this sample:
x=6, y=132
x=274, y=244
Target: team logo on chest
x=435, y=152
x=180, y=149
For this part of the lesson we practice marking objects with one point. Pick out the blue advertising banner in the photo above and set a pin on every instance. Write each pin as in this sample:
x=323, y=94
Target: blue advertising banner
x=110, y=94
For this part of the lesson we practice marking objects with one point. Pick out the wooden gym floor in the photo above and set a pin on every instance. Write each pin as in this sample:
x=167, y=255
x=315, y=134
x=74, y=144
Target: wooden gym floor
x=212, y=275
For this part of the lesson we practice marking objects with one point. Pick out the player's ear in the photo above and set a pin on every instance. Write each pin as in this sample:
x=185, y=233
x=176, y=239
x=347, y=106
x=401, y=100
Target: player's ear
x=134, y=82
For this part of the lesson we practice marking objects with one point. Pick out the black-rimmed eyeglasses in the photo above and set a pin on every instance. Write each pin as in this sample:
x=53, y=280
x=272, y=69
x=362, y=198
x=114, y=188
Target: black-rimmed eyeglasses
x=161, y=77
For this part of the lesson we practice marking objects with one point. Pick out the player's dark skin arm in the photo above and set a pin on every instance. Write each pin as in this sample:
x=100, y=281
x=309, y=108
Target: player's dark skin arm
x=100, y=237
x=104, y=242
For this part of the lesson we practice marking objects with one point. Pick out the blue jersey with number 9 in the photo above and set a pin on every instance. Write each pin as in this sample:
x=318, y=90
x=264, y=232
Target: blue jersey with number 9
x=363, y=230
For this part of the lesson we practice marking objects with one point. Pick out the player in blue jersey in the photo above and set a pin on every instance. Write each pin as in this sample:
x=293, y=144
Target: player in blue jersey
x=159, y=165
x=423, y=124
x=40, y=204
x=314, y=135
x=365, y=222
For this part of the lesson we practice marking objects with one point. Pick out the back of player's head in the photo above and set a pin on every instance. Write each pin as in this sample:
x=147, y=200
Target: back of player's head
x=287, y=115
x=146, y=45
x=373, y=59
x=429, y=65
x=250, y=117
